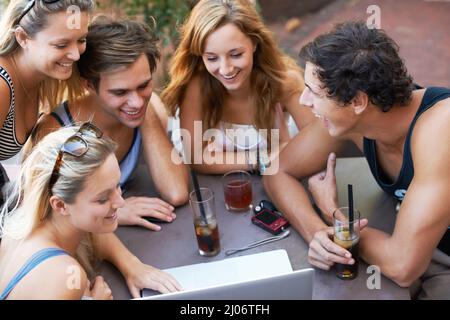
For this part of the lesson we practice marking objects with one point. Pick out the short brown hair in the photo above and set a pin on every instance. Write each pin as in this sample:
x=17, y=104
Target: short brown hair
x=112, y=44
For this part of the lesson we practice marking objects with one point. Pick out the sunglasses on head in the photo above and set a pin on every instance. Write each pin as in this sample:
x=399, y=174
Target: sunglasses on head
x=76, y=146
x=30, y=5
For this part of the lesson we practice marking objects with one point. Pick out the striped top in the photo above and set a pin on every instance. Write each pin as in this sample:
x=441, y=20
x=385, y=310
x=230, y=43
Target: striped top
x=10, y=146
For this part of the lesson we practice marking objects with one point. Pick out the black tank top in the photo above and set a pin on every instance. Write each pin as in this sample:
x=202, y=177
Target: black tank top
x=399, y=187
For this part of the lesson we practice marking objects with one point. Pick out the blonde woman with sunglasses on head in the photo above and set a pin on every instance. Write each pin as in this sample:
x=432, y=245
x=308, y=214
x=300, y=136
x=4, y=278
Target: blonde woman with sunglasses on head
x=39, y=42
x=68, y=195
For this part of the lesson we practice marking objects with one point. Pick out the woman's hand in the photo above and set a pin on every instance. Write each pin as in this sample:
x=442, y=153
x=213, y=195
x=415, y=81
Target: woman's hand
x=145, y=276
x=324, y=253
x=136, y=209
x=99, y=290
x=323, y=189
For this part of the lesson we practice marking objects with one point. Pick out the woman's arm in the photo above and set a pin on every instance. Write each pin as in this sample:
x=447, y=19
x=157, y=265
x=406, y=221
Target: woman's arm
x=137, y=274
x=196, y=151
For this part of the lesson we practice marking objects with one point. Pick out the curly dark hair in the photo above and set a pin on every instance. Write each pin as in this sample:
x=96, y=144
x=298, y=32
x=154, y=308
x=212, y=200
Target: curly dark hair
x=354, y=58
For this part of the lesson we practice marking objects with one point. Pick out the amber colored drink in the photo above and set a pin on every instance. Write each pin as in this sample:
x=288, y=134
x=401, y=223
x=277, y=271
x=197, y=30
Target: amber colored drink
x=238, y=195
x=207, y=238
x=350, y=243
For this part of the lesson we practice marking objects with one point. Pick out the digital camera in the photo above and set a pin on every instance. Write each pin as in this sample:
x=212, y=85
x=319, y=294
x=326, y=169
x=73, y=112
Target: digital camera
x=269, y=218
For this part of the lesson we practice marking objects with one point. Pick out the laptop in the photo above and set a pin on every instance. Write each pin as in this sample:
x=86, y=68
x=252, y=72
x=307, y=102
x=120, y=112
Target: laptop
x=262, y=276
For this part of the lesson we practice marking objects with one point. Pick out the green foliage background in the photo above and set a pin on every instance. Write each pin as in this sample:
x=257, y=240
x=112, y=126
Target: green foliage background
x=169, y=14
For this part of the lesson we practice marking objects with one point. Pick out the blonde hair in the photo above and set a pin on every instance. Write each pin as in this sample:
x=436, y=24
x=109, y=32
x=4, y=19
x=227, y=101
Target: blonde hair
x=113, y=44
x=52, y=91
x=270, y=75
x=30, y=195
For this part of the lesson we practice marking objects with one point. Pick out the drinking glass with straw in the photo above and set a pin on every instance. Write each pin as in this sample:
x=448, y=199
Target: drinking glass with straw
x=346, y=222
x=205, y=222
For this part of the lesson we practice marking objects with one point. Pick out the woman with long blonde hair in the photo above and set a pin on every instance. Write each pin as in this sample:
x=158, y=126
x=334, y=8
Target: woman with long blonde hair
x=39, y=42
x=229, y=73
x=64, y=215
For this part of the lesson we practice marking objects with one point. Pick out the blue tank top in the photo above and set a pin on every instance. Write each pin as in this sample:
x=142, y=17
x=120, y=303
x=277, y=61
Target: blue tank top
x=128, y=163
x=399, y=187
x=31, y=263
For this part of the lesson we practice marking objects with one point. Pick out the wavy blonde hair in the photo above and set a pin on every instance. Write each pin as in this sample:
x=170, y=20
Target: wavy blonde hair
x=30, y=195
x=270, y=78
x=51, y=91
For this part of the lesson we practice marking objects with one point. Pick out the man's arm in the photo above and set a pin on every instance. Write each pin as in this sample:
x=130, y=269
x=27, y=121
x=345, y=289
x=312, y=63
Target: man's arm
x=160, y=110
x=171, y=179
x=305, y=155
x=424, y=215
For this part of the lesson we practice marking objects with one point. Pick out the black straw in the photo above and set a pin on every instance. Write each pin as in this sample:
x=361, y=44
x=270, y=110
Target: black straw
x=350, y=208
x=199, y=195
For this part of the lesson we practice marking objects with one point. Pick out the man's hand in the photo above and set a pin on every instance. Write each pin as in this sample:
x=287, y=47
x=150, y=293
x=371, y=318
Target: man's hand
x=324, y=253
x=145, y=276
x=136, y=209
x=323, y=189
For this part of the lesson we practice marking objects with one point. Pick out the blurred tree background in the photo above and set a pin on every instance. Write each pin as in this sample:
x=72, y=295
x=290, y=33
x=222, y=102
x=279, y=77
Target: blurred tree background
x=163, y=16
x=3, y=4
x=168, y=14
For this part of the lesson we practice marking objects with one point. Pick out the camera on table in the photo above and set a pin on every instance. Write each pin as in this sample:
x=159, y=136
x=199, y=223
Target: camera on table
x=269, y=218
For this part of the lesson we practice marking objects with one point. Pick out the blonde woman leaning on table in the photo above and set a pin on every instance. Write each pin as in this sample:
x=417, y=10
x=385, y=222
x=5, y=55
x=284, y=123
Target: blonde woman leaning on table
x=116, y=70
x=69, y=196
x=228, y=73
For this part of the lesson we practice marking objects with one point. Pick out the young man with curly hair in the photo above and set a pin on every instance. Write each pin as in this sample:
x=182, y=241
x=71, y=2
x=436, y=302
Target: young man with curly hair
x=358, y=87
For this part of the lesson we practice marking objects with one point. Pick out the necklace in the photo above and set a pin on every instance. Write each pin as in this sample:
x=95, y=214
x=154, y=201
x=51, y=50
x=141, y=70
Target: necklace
x=20, y=80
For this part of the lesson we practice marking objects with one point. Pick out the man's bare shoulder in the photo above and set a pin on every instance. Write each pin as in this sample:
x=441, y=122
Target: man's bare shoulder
x=429, y=141
x=434, y=121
